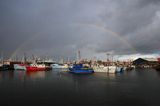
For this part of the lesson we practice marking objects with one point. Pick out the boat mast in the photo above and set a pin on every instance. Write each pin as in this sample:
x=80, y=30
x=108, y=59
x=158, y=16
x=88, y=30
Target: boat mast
x=2, y=59
x=25, y=58
x=78, y=56
x=108, y=54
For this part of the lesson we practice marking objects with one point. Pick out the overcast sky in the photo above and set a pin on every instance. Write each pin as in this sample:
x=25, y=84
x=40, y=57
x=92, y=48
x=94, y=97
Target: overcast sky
x=95, y=27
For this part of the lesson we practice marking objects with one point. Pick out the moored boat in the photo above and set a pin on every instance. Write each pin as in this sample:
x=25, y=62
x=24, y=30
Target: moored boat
x=80, y=69
x=37, y=67
x=119, y=69
x=62, y=66
x=157, y=68
x=5, y=67
x=108, y=69
x=100, y=68
x=20, y=66
x=112, y=69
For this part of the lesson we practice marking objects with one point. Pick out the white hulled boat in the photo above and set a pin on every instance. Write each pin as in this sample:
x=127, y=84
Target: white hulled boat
x=19, y=66
x=56, y=65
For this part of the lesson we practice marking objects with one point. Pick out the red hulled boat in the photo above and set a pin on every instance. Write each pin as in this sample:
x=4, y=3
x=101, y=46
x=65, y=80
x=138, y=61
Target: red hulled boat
x=37, y=67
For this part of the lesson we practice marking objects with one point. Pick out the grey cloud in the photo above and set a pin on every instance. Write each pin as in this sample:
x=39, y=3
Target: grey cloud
x=60, y=28
x=129, y=18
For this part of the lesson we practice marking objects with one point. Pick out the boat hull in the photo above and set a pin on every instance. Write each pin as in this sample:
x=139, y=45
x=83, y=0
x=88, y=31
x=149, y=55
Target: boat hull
x=36, y=68
x=81, y=71
x=119, y=69
x=107, y=69
x=57, y=66
x=19, y=67
x=157, y=68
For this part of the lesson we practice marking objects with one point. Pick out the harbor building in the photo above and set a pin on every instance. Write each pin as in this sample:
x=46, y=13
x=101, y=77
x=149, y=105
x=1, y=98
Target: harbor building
x=145, y=62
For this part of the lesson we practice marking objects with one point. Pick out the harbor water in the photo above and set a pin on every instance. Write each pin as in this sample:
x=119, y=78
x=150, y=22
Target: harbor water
x=140, y=87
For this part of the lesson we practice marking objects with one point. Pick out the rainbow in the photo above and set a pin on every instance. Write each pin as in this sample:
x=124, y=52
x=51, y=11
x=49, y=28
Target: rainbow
x=98, y=26
x=113, y=33
x=24, y=44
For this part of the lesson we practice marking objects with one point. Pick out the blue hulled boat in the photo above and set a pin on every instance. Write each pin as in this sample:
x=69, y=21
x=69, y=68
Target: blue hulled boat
x=80, y=69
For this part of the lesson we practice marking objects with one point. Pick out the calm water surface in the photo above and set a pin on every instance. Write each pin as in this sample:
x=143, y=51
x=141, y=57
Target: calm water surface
x=56, y=87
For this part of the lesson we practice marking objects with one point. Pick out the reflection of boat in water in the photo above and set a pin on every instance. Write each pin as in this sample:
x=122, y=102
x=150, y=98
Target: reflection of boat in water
x=111, y=76
x=62, y=66
x=6, y=74
x=37, y=74
x=80, y=69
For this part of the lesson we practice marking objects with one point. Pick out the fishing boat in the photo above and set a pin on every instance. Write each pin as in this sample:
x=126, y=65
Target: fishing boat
x=80, y=69
x=119, y=69
x=5, y=67
x=20, y=66
x=157, y=68
x=108, y=69
x=130, y=68
x=62, y=66
x=37, y=67
x=100, y=68
x=1, y=67
x=112, y=69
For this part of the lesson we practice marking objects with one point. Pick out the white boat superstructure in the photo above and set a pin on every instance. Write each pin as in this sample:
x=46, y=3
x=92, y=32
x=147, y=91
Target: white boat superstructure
x=1, y=65
x=108, y=69
x=19, y=67
x=63, y=66
x=38, y=65
x=112, y=69
x=100, y=68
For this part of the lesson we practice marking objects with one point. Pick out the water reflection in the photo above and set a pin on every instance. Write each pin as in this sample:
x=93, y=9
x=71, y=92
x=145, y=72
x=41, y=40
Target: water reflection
x=60, y=70
x=80, y=82
x=21, y=75
x=93, y=89
x=6, y=74
x=111, y=76
x=158, y=74
x=35, y=75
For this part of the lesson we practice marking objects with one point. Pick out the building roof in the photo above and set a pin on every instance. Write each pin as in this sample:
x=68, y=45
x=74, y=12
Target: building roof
x=140, y=61
x=150, y=59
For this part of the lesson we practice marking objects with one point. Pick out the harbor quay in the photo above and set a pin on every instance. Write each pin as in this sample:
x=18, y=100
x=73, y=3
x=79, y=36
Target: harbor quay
x=127, y=65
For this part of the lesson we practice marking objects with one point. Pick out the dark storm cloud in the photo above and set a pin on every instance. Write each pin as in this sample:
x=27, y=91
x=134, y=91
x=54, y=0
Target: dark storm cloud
x=92, y=26
x=138, y=21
